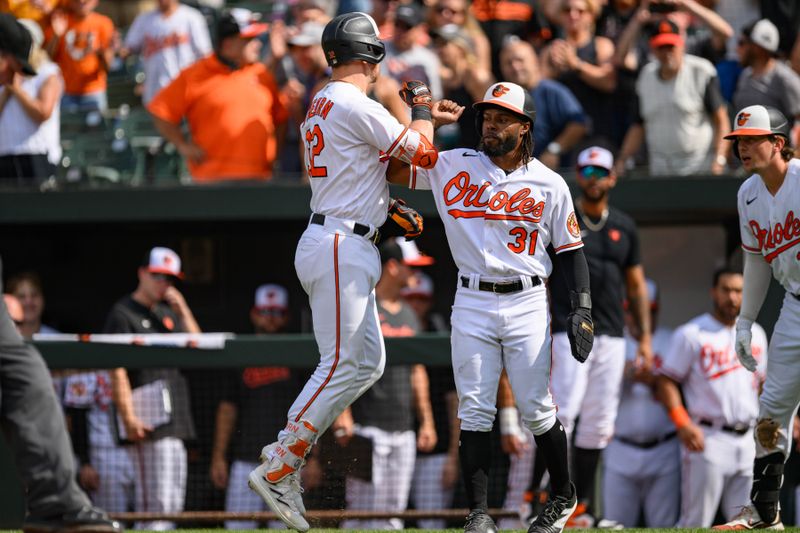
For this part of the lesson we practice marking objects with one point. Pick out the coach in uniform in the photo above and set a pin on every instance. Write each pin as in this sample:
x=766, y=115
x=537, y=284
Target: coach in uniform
x=769, y=205
x=159, y=456
x=592, y=391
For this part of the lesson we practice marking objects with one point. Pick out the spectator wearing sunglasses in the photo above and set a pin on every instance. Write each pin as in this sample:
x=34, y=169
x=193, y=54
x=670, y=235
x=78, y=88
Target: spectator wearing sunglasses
x=159, y=456
x=588, y=394
x=253, y=408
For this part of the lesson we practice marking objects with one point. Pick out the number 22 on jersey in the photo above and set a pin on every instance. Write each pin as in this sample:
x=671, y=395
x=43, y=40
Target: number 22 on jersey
x=315, y=143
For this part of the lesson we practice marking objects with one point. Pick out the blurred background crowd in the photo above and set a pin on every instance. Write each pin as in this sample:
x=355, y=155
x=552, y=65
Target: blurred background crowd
x=165, y=92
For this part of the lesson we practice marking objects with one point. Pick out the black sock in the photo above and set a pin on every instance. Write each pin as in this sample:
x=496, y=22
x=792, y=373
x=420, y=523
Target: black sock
x=585, y=469
x=475, y=453
x=767, y=481
x=553, y=447
x=539, y=468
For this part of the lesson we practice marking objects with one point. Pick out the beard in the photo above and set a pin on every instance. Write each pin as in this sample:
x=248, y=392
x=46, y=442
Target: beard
x=505, y=146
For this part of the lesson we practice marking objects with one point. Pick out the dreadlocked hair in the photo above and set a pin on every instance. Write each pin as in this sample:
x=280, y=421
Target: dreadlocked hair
x=526, y=149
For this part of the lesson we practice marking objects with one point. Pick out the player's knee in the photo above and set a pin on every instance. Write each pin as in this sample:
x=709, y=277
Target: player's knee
x=542, y=426
x=476, y=419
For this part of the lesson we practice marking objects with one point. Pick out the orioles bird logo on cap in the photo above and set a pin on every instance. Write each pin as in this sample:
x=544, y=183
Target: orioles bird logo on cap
x=742, y=119
x=500, y=90
x=665, y=28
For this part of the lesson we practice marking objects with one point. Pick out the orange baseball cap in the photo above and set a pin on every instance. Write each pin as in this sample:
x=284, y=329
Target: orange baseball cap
x=666, y=33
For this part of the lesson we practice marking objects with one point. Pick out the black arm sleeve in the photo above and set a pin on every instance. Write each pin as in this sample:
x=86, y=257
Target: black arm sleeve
x=575, y=270
x=79, y=433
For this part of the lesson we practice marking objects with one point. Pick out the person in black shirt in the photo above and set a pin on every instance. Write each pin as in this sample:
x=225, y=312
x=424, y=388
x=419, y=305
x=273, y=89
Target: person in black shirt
x=436, y=472
x=158, y=454
x=588, y=395
x=385, y=413
x=252, y=411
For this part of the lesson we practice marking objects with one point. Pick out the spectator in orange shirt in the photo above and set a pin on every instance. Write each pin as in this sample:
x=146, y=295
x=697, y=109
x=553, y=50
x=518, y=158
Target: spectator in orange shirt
x=82, y=43
x=231, y=103
x=29, y=9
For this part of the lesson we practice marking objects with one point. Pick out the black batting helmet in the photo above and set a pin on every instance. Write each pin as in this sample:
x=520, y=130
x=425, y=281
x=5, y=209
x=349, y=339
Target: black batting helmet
x=759, y=120
x=352, y=36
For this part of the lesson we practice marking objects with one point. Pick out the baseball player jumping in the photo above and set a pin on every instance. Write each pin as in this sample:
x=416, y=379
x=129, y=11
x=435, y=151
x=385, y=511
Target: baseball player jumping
x=348, y=138
x=769, y=206
x=501, y=208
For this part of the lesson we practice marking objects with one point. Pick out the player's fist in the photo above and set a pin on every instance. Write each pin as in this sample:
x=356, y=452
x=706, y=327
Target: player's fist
x=446, y=112
x=416, y=93
x=744, y=344
x=402, y=221
x=580, y=331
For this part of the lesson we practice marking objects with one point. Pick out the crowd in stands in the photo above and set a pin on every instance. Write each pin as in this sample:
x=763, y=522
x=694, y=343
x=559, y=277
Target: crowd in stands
x=205, y=91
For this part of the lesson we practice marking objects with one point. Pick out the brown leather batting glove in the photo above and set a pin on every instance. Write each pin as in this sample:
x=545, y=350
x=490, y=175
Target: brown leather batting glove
x=402, y=221
x=580, y=329
x=418, y=97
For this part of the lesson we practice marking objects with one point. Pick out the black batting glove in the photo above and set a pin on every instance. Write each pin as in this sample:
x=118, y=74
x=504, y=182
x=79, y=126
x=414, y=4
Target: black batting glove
x=580, y=329
x=402, y=221
x=418, y=97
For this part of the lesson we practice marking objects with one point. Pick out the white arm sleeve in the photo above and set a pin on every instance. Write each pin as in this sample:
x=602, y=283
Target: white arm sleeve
x=757, y=275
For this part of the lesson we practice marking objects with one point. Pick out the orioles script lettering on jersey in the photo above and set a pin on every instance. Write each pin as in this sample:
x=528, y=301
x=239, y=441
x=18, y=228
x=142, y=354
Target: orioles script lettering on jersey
x=320, y=107
x=461, y=189
x=769, y=240
x=715, y=363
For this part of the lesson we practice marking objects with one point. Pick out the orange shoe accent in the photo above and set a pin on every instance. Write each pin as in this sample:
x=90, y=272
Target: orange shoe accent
x=579, y=510
x=309, y=426
x=273, y=476
x=299, y=448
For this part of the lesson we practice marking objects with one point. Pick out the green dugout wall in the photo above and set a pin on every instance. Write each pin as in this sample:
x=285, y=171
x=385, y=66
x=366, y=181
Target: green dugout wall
x=86, y=244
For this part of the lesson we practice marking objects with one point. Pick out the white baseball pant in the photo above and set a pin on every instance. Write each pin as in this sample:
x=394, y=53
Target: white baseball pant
x=639, y=480
x=339, y=270
x=393, y=454
x=492, y=331
x=160, y=467
x=427, y=491
x=520, y=471
x=781, y=395
x=718, y=477
x=114, y=467
x=591, y=389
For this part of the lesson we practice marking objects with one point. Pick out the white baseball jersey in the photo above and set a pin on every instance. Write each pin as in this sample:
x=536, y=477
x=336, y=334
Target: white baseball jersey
x=770, y=226
x=167, y=45
x=347, y=138
x=641, y=417
x=497, y=224
x=715, y=385
x=92, y=391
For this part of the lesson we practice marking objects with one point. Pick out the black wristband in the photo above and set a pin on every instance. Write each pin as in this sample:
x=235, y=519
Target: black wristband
x=421, y=112
x=580, y=299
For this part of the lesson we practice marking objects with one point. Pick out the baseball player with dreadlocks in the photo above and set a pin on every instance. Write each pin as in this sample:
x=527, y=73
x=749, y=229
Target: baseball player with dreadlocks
x=501, y=209
x=769, y=221
x=348, y=139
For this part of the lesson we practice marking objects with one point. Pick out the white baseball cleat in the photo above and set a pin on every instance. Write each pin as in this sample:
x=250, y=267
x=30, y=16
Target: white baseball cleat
x=748, y=518
x=283, y=497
